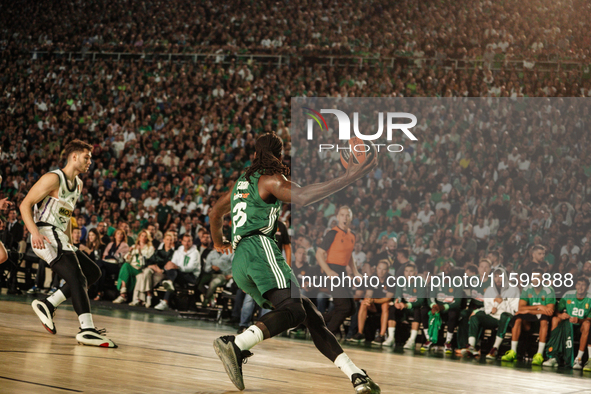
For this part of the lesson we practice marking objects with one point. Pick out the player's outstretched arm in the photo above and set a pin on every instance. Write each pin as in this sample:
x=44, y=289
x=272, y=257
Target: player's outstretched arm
x=288, y=191
x=216, y=215
x=45, y=185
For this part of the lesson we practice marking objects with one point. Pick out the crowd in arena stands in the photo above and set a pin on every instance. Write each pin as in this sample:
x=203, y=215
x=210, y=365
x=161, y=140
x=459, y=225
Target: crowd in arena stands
x=520, y=30
x=170, y=138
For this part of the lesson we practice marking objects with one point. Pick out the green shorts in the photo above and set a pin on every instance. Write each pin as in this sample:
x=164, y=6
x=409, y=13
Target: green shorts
x=258, y=266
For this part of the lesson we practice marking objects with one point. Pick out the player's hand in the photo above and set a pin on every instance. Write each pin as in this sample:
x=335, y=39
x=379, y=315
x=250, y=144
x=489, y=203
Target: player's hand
x=493, y=311
x=356, y=171
x=435, y=309
x=224, y=248
x=38, y=241
x=573, y=320
x=366, y=302
x=5, y=204
x=171, y=266
x=498, y=300
x=398, y=305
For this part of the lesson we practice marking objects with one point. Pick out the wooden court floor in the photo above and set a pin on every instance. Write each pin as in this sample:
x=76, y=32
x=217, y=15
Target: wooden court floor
x=170, y=355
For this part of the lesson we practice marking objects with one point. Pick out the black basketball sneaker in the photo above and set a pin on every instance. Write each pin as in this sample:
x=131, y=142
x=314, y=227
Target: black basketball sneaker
x=364, y=384
x=94, y=337
x=232, y=358
x=45, y=312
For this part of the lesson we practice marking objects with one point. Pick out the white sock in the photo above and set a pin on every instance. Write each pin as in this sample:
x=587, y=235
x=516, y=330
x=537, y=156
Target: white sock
x=498, y=341
x=123, y=291
x=589, y=350
x=86, y=320
x=449, y=337
x=541, y=347
x=56, y=298
x=472, y=341
x=346, y=365
x=426, y=333
x=413, y=335
x=249, y=338
x=514, y=346
x=580, y=355
x=391, y=332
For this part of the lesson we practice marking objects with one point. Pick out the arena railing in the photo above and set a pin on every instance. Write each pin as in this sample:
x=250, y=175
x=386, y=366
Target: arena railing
x=330, y=60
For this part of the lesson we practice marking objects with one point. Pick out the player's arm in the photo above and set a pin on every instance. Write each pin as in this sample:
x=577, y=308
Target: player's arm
x=45, y=185
x=291, y=192
x=216, y=215
x=524, y=308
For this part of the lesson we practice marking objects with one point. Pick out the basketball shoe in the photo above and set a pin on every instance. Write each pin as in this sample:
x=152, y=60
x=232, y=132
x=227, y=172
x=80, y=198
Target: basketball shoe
x=45, y=312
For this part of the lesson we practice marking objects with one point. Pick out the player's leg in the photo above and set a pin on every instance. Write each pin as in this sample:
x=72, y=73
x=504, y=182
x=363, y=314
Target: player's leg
x=476, y=323
x=453, y=316
x=578, y=362
x=538, y=358
x=393, y=314
x=425, y=320
x=328, y=345
x=364, y=309
x=344, y=306
x=414, y=327
x=516, y=322
x=464, y=328
x=503, y=326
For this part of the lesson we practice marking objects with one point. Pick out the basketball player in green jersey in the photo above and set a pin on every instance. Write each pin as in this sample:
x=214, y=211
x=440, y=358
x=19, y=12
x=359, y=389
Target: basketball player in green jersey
x=575, y=306
x=258, y=266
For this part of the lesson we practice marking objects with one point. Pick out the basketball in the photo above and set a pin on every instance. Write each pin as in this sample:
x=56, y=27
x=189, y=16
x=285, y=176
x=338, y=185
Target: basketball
x=361, y=150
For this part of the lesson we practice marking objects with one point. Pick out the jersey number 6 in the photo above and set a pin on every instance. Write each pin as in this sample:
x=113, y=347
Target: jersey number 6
x=240, y=216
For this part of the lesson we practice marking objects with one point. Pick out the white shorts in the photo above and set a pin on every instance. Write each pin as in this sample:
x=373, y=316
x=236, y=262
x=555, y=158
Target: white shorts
x=58, y=244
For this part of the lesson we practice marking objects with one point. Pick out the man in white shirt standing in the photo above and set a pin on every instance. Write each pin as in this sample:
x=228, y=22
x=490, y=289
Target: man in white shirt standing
x=185, y=267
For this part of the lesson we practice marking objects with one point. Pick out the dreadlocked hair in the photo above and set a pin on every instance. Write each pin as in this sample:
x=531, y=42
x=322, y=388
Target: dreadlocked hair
x=268, y=152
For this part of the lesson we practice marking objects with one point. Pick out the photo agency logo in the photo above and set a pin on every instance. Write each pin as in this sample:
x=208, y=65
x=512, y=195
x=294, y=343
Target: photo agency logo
x=344, y=128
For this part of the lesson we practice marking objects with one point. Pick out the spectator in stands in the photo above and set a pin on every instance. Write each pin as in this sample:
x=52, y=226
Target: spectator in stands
x=153, y=273
x=114, y=253
x=536, y=305
x=135, y=261
x=184, y=268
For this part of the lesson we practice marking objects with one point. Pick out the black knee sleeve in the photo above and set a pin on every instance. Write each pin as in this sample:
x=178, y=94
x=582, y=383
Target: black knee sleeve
x=288, y=312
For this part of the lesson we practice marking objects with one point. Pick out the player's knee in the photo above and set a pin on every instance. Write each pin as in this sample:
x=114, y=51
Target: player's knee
x=585, y=326
x=298, y=313
x=544, y=323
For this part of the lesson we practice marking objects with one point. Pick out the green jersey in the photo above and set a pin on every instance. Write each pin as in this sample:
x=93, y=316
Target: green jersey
x=546, y=296
x=250, y=214
x=448, y=296
x=414, y=293
x=477, y=294
x=575, y=307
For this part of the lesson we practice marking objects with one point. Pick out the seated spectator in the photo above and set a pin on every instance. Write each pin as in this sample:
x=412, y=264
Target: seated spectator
x=573, y=308
x=109, y=264
x=377, y=301
x=445, y=302
x=94, y=247
x=217, y=271
x=153, y=273
x=135, y=261
x=536, y=305
x=500, y=304
x=410, y=300
x=185, y=267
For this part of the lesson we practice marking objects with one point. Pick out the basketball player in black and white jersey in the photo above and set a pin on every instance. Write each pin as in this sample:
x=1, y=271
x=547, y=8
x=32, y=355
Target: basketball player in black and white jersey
x=51, y=234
